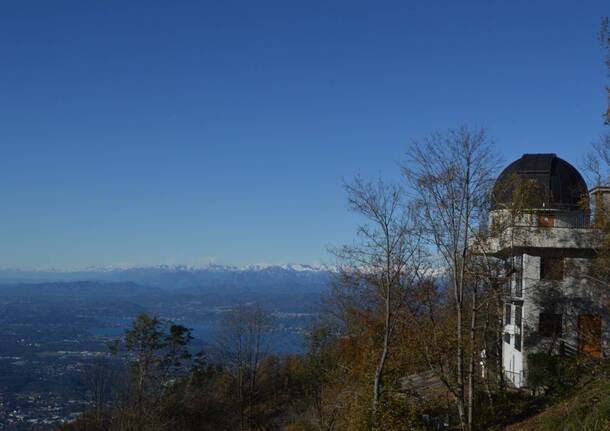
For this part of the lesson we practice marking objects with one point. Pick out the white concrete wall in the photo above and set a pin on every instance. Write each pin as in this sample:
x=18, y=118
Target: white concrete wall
x=570, y=231
x=512, y=361
x=531, y=278
x=563, y=219
x=535, y=237
x=576, y=294
x=515, y=361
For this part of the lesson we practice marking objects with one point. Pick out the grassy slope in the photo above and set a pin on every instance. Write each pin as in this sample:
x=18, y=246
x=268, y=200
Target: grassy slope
x=588, y=409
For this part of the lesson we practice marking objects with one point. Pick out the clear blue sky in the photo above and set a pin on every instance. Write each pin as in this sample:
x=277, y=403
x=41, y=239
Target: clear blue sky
x=151, y=132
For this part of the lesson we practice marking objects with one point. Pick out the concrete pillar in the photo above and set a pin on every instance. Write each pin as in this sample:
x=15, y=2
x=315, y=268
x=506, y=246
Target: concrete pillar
x=600, y=200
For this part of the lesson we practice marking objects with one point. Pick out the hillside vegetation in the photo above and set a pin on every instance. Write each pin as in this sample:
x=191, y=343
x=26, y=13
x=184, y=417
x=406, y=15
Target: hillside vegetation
x=586, y=408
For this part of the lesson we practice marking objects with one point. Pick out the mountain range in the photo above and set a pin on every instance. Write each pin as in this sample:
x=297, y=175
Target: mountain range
x=292, y=278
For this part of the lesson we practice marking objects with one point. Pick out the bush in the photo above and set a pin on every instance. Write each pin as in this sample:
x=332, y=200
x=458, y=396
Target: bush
x=553, y=373
x=397, y=414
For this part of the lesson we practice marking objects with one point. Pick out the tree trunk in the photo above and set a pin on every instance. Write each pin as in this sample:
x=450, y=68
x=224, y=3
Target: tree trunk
x=486, y=361
x=460, y=367
x=471, y=365
x=458, y=285
x=378, y=382
x=498, y=343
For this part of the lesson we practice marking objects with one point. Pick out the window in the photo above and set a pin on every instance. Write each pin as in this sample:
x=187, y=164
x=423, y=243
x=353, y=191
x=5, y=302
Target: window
x=507, y=277
x=507, y=314
x=507, y=338
x=590, y=335
x=518, y=264
x=518, y=321
x=546, y=220
x=518, y=316
x=549, y=325
x=514, y=271
x=551, y=268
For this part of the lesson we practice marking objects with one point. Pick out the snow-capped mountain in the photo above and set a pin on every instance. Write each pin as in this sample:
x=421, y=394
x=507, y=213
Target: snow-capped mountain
x=259, y=277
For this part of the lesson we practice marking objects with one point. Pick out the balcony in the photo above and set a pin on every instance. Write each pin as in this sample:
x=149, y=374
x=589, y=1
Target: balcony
x=525, y=237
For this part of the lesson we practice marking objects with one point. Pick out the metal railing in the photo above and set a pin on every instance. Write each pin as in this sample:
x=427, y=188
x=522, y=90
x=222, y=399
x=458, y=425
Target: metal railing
x=568, y=349
x=575, y=221
x=516, y=378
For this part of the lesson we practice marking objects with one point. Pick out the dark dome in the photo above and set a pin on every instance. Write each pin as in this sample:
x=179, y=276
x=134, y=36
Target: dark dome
x=560, y=185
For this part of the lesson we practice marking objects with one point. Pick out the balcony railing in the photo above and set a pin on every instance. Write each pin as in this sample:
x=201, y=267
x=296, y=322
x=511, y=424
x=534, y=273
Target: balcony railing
x=516, y=378
x=577, y=221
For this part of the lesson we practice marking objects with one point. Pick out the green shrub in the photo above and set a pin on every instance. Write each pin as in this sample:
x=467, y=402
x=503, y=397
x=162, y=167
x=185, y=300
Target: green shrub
x=587, y=410
x=553, y=373
x=396, y=414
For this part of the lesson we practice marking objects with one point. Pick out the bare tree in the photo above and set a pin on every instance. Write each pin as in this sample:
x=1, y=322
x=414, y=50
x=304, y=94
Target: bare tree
x=381, y=264
x=597, y=160
x=244, y=339
x=450, y=176
x=597, y=169
x=101, y=378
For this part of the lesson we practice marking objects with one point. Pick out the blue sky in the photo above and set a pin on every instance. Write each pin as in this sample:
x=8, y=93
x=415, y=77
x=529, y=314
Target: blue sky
x=148, y=132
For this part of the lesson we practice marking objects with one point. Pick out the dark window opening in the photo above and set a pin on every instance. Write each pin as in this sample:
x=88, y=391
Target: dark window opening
x=518, y=315
x=549, y=325
x=518, y=262
x=507, y=289
x=551, y=268
x=507, y=314
x=508, y=277
x=507, y=338
x=518, y=342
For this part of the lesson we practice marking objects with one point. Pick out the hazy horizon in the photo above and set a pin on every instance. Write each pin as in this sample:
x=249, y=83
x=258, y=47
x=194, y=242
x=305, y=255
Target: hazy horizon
x=196, y=266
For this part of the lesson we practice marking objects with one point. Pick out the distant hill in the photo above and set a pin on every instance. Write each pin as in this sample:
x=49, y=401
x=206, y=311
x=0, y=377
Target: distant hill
x=78, y=290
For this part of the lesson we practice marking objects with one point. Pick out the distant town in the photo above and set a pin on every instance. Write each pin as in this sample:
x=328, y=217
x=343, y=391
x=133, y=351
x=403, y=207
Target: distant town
x=50, y=341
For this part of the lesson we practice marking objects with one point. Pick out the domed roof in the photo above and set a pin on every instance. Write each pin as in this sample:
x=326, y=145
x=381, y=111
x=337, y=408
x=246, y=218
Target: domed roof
x=560, y=185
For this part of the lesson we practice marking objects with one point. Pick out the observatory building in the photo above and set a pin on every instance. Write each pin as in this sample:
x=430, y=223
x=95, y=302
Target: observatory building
x=542, y=228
